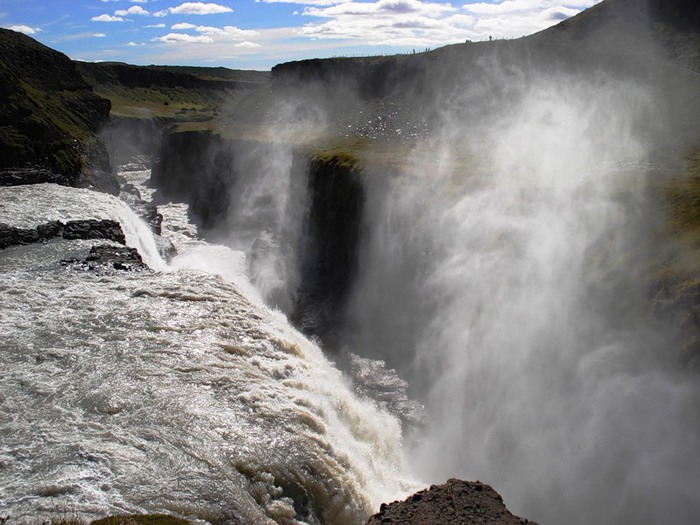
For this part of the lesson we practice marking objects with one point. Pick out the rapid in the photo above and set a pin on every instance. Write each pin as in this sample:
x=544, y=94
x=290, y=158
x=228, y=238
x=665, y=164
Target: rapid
x=175, y=390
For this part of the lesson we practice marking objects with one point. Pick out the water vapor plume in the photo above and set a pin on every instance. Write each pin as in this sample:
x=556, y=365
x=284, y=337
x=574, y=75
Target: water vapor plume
x=518, y=312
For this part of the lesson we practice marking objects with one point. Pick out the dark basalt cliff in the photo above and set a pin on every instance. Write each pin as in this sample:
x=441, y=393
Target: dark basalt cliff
x=49, y=119
x=204, y=170
x=329, y=247
x=196, y=167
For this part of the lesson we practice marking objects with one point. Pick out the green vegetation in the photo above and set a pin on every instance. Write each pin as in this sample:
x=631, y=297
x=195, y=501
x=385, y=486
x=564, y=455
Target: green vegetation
x=682, y=228
x=180, y=93
x=344, y=153
x=49, y=115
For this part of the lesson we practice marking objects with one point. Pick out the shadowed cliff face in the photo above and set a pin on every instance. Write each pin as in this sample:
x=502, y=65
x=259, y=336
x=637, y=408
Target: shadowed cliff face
x=196, y=167
x=329, y=249
x=49, y=117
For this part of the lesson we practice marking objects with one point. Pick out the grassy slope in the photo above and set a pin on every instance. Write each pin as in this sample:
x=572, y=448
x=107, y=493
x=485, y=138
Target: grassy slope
x=47, y=106
x=187, y=94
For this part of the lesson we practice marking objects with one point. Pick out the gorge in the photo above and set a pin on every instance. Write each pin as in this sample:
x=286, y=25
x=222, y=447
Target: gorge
x=368, y=275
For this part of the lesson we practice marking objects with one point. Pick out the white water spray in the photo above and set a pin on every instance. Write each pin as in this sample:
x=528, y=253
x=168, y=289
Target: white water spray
x=527, y=335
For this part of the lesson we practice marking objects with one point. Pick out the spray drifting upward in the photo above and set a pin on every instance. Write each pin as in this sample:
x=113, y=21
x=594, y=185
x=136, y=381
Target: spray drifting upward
x=517, y=314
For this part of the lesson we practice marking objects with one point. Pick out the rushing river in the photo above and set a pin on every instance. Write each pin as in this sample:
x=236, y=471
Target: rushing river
x=170, y=390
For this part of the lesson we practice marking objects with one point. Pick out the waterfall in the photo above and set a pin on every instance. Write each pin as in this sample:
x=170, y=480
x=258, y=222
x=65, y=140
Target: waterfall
x=28, y=206
x=171, y=391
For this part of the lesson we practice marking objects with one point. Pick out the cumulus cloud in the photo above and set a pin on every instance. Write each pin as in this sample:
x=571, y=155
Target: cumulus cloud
x=250, y=45
x=220, y=33
x=197, y=8
x=157, y=26
x=107, y=18
x=133, y=10
x=27, y=30
x=423, y=23
x=514, y=18
x=184, y=25
x=171, y=38
x=304, y=2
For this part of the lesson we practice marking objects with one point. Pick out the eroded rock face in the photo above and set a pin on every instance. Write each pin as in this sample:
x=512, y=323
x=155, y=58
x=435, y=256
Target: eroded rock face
x=455, y=502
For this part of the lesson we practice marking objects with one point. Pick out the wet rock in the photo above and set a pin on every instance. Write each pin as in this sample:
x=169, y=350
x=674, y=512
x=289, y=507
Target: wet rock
x=11, y=236
x=15, y=176
x=147, y=211
x=107, y=259
x=166, y=248
x=85, y=229
x=94, y=229
x=130, y=189
x=457, y=501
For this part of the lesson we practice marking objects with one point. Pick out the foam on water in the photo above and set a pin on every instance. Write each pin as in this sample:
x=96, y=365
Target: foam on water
x=171, y=391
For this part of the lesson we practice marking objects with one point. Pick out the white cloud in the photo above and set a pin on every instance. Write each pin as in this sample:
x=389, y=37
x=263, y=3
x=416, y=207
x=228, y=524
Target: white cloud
x=515, y=18
x=199, y=8
x=133, y=10
x=225, y=33
x=27, y=30
x=250, y=45
x=158, y=26
x=180, y=27
x=422, y=23
x=304, y=2
x=134, y=44
x=99, y=35
x=138, y=1
x=107, y=18
x=179, y=37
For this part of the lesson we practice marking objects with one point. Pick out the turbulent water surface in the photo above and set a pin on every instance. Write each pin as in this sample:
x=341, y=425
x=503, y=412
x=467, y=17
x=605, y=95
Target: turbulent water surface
x=169, y=390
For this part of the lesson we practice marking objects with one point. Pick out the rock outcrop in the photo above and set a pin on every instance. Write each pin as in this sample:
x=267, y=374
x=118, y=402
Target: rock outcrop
x=84, y=229
x=105, y=259
x=455, y=502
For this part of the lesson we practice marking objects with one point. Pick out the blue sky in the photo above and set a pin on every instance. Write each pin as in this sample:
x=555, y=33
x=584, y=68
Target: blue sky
x=257, y=34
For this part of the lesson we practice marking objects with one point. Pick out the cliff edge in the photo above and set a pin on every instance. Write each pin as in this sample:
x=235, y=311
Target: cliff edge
x=49, y=119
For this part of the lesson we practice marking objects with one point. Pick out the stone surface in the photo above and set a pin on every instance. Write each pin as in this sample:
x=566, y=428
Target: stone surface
x=456, y=502
x=85, y=229
x=106, y=259
x=94, y=229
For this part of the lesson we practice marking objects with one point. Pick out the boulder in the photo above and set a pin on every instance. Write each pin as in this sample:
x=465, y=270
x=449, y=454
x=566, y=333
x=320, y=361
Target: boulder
x=94, y=229
x=105, y=259
x=455, y=502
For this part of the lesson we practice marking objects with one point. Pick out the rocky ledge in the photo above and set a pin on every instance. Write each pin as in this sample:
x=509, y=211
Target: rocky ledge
x=105, y=259
x=455, y=502
x=86, y=229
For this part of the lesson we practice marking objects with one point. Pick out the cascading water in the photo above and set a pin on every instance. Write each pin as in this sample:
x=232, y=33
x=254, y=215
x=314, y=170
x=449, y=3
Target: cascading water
x=170, y=391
